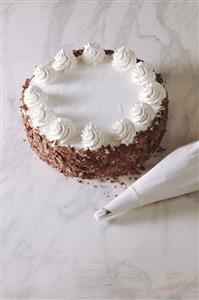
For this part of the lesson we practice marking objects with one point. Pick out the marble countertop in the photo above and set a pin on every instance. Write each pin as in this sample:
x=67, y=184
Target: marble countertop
x=52, y=246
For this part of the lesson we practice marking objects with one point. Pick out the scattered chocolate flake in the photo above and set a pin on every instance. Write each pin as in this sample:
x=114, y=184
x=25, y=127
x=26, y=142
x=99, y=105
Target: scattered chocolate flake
x=95, y=186
x=137, y=173
x=130, y=177
x=80, y=181
x=122, y=183
x=136, y=178
x=160, y=149
x=116, y=195
x=109, y=52
x=102, y=186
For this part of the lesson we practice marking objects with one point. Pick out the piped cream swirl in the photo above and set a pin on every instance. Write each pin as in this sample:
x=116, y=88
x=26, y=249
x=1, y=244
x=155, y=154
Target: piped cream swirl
x=142, y=72
x=59, y=129
x=142, y=115
x=152, y=93
x=40, y=117
x=92, y=137
x=93, y=54
x=124, y=131
x=64, y=61
x=33, y=96
x=123, y=59
x=42, y=74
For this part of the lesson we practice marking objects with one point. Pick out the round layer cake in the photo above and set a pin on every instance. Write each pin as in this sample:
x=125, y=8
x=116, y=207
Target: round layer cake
x=95, y=113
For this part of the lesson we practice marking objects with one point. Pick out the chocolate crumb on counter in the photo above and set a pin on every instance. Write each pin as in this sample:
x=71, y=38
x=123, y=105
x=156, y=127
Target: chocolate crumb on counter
x=137, y=173
x=160, y=149
x=112, y=181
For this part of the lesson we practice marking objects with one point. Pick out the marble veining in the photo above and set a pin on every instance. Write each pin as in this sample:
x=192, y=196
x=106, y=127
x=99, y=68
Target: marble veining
x=52, y=246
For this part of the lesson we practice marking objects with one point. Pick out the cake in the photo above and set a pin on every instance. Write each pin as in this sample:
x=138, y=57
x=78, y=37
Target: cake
x=94, y=113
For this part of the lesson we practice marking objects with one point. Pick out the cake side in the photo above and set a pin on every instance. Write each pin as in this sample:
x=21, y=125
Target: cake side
x=106, y=161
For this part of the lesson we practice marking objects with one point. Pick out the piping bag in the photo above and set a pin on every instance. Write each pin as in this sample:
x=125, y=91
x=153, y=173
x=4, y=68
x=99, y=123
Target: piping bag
x=175, y=175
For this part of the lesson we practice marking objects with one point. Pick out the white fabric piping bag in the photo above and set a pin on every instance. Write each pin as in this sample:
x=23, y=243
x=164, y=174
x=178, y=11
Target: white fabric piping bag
x=175, y=175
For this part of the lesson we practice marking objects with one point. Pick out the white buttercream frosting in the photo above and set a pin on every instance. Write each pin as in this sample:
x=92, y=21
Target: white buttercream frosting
x=124, y=131
x=93, y=54
x=152, y=93
x=42, y=74
x=64, y=60
x=59, y=129
x=92, y=137
x=123, y=59
x=101, y=97
x=142, y=72
x=34, y=96
x=40, y=117
x=142, y=115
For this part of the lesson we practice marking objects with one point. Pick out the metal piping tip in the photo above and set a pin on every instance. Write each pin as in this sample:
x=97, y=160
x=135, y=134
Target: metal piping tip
x=102, y=214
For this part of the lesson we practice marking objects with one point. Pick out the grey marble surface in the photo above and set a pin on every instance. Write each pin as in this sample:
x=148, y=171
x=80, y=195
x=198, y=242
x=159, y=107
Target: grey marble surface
x=52, y=247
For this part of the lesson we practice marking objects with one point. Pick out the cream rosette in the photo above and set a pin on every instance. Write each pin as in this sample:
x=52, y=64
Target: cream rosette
x=92, y=137
x=142, y=115
x=34, y=97
x=61, y=130
x=123, y=132
x=64, y=61
x=93, y=54
x=152, y=93
x=40, y=117
x=42, y=74
x=123, y=59
x=142, y=72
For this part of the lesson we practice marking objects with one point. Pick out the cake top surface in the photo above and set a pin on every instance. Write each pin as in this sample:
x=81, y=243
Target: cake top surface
x=93, y=100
